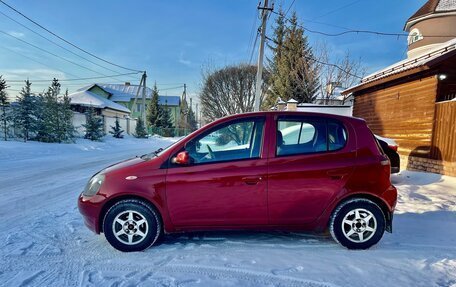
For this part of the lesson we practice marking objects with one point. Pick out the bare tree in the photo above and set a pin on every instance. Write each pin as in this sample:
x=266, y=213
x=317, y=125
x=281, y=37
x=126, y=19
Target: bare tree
x=342, y=74
x=228, y=91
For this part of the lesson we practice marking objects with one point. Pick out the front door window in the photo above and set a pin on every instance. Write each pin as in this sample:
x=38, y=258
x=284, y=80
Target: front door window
x=234, y=141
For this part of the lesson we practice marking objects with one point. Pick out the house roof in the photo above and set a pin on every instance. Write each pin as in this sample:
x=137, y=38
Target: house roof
x=433, y=7
x=87, y=98
x=124, y=93
x=408, y=66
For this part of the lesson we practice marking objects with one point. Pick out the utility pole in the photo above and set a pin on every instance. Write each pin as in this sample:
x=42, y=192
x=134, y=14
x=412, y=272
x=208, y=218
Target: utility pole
x=142, y=83
x=259, y=77
x=143, y=106
x=196, y=115
x=185, y=111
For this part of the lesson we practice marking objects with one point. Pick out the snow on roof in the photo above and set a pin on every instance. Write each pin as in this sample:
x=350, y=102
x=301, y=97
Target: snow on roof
x=124, y=93
x=432, y=7
x=292, y=101
x=408, y=64
x=446, y=5
x=86, y=98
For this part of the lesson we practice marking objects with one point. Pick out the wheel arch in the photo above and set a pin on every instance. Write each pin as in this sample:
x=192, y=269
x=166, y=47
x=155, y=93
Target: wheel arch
x=116, y=199
x=375, y=199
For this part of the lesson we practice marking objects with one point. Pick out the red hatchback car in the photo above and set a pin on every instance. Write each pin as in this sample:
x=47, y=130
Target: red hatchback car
x=265, y=170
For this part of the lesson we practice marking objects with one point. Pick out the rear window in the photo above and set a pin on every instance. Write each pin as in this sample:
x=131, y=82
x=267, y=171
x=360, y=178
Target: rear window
x=306, y=136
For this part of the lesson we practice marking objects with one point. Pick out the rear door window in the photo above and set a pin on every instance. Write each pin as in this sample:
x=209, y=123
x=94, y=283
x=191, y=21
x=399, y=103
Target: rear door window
x=306, y=136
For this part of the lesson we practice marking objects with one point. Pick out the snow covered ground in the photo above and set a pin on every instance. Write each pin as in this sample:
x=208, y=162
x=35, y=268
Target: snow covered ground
x=43, y=241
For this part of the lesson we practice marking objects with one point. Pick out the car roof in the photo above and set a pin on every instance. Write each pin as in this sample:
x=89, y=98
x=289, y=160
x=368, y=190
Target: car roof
x=289, y=113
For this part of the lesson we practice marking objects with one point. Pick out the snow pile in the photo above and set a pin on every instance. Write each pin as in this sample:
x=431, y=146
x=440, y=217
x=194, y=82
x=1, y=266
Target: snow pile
x=44, y=242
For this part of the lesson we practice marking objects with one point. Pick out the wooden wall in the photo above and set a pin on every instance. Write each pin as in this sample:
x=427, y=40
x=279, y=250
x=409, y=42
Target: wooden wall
x=444, y=141
x=404, y=112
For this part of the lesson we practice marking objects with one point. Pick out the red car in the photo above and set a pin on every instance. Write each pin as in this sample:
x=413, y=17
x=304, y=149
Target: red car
x=265, y=170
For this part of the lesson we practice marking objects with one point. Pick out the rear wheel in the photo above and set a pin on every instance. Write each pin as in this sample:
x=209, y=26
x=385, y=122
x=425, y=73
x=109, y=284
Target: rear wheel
x=131, y=225
x=357, y=224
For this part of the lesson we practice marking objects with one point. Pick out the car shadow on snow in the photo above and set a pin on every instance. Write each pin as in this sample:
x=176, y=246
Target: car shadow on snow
x=415, y=178
x=433, y=229
x=415, y=231
x=239, y=238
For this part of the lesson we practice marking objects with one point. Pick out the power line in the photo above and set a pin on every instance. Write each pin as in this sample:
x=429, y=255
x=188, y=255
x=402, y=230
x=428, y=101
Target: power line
x=322, y=62
x=66, y=41
x=289, y=8
x=50, y=53
x=352, y=31
x=78, y=79
x=58, y=45
x=337, y=9
x=252, y=30
x=254, y=46
x=171, y=84
x=36, y=61
x=173, y=88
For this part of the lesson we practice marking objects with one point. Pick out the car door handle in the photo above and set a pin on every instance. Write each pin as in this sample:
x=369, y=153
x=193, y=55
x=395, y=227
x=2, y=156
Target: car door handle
x=337, y=174
x=252, y=180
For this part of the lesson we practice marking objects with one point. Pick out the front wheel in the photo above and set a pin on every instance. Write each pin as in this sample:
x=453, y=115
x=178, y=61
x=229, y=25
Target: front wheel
x=357, y=224
x=131, y=225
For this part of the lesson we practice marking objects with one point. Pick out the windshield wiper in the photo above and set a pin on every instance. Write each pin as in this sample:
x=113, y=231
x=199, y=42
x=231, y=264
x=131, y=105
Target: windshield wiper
x=158, y=151
x=149, y=155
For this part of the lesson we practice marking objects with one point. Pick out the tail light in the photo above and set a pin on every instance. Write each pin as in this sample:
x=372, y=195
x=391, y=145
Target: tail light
x=393, y=147
x=385, y=162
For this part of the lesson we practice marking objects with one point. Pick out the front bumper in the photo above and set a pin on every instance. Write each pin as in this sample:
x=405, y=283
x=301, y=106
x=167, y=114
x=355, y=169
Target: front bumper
x=90, y=209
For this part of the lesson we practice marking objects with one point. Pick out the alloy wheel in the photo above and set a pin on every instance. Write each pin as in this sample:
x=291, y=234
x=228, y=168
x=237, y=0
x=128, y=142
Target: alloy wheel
x=130, y=227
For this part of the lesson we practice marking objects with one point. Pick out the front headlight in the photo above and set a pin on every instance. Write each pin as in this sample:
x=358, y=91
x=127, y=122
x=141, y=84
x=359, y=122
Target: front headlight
x=94, y=184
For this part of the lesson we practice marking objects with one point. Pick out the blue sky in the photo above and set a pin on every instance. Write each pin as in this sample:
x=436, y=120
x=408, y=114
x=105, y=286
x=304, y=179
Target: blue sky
x=172, y=40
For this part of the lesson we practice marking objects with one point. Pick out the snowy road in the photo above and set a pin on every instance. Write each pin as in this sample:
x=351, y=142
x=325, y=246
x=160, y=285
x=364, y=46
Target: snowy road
x=44, y=242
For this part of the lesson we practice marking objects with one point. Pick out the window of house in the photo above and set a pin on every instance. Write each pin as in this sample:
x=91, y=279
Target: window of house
x=414, y=36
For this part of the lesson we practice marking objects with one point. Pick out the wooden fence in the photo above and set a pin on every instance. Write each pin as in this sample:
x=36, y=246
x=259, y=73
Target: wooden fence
x=444, y=137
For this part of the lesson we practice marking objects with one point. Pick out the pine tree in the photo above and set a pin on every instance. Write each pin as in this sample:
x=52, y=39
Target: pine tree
x=4, y=118
x=166, y=121
x=273, y=64
x=305, y=72
x=140, y=130
x=65, y=128
x=49, y=123
x=192, y=124
x=93, y=126
x=25, y=115
x=294, y=70
x=116, y=130
x=184, y=114
x=153, y=109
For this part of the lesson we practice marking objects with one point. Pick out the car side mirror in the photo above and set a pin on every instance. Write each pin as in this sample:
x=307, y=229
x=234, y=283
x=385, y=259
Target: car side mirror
x=182, y=158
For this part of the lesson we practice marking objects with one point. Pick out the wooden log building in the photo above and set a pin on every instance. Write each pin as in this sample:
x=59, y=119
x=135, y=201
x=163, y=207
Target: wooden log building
x=414, y=101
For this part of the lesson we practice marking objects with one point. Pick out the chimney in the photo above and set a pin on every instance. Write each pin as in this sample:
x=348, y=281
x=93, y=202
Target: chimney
x=292, y=105
x=127, y=84
x=280, y=104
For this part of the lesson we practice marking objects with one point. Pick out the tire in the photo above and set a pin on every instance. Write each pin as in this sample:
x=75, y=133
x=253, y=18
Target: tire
x=357, y=224
x=131, y=225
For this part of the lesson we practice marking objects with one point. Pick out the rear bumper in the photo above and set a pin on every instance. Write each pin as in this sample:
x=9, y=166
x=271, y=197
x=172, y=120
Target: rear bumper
x=390, y=197
x=90, y=208
x=395, y=169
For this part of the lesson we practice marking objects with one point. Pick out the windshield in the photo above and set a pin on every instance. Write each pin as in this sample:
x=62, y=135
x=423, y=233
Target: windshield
x=160, y=151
